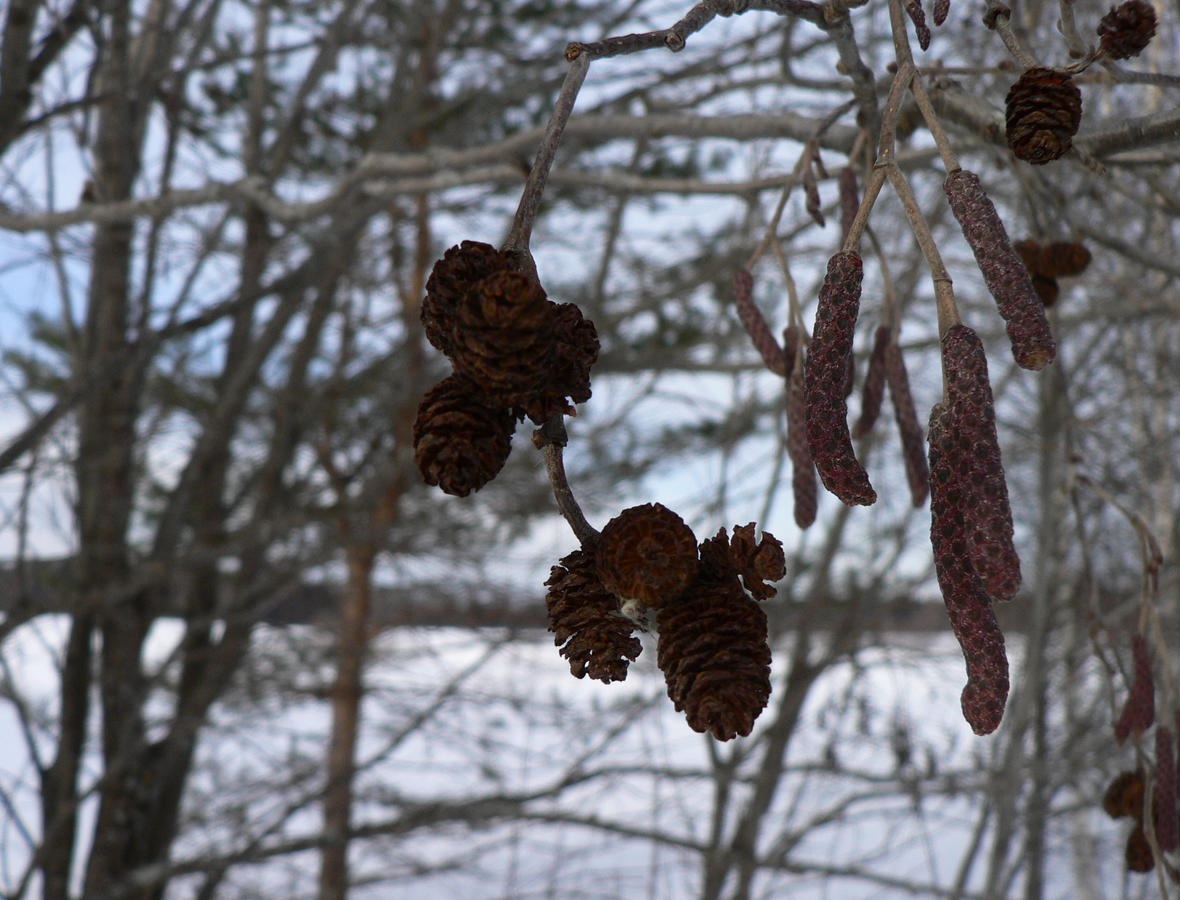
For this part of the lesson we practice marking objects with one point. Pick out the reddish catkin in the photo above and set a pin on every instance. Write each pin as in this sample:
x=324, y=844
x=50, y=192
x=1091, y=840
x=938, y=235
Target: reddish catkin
x=803, y=477
x=1139, y=711
x=873, y=390
x=824, y=379
x=1167, y=829
x=754, y=323
x=967, y=603
x=913, y=441
x=971, y=419
x=917, y=15
x=1003, y=271
x=849, y=201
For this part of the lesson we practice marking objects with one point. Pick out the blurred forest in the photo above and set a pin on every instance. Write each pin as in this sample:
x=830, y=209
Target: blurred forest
x=245, y=650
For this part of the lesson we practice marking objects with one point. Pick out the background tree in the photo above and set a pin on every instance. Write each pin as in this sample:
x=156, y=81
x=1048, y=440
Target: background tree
x=235, y=208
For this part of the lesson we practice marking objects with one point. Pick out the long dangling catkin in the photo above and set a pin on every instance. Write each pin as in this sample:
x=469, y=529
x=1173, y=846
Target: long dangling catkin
x=971, y=419
x=913, y=441
x=803, y=477
x=755, y=324
x=849, y=201
x=917, y=15
x=873, y=390
x=1167, y=832
x=824, y=379
x=941, y=9
x=967, y=604
x=1003, y=271
x=1139, y=711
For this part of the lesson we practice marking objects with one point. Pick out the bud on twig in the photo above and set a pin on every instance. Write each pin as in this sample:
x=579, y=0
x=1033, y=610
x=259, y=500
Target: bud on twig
x=1003, y=271
x=824, y=381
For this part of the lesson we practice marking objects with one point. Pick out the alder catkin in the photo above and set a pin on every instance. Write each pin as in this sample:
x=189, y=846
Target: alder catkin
x=1139, y=711
x=755, y=324
x=1167, y=832
x=970, y=419
x=825, y=374
x=967, y=604
x=873, y=390
x=913, y=440
x=917, y=15
x=849, y=201
x=803, y=476
x=941, y=9
x=1003, y=270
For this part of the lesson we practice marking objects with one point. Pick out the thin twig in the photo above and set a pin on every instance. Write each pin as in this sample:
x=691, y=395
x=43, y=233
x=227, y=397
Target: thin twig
x=551, y=439
x=534, y=188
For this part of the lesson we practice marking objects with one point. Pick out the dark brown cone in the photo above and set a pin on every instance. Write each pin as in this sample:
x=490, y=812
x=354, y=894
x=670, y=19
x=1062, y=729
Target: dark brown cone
x=459, y=443
x=647, y=553
x=573, y=350
x=502, y=339
x=967, y=603
x=1138, y=852
x=873, y=390
x=585, y=620
x=1127, y=29
x=1005, y=274
x=1060, y=259
x=803, y=475
x=458, y=272
x=1124, y=795
x=913, y=440
x=1139, y=711
x=1043, y=111
x=755, y=324
x=714, y=655
x=1167, y=832
x=825, y=376
x=970, y=419
x=756, y=562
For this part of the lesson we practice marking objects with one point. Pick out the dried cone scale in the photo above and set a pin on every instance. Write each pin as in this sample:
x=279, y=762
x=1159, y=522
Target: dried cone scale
x=1003, y=270
x=825, y=374
x=647, y=554
x=1042, y=113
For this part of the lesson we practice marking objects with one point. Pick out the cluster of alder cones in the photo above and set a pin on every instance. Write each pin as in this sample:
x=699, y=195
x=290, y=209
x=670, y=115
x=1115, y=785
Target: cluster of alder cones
x=1044, y=107
x=1132, y=794
x=516, y=354
x=713, y=647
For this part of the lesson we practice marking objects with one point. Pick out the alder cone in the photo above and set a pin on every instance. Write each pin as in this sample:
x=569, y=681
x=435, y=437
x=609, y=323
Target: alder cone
x=825, y=378
x=1003, y=270
x=973, y=456
x=572, y=352
x=1124, y=795
x=459, y=443
x=1138, y=853
x=967, y=603
x=1139, y=710
x=585, y=620
x=715, y=658
x=1043, y=112
x=502, y=338
x=461, y=268
x=647, y=553
x=1127, y=29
